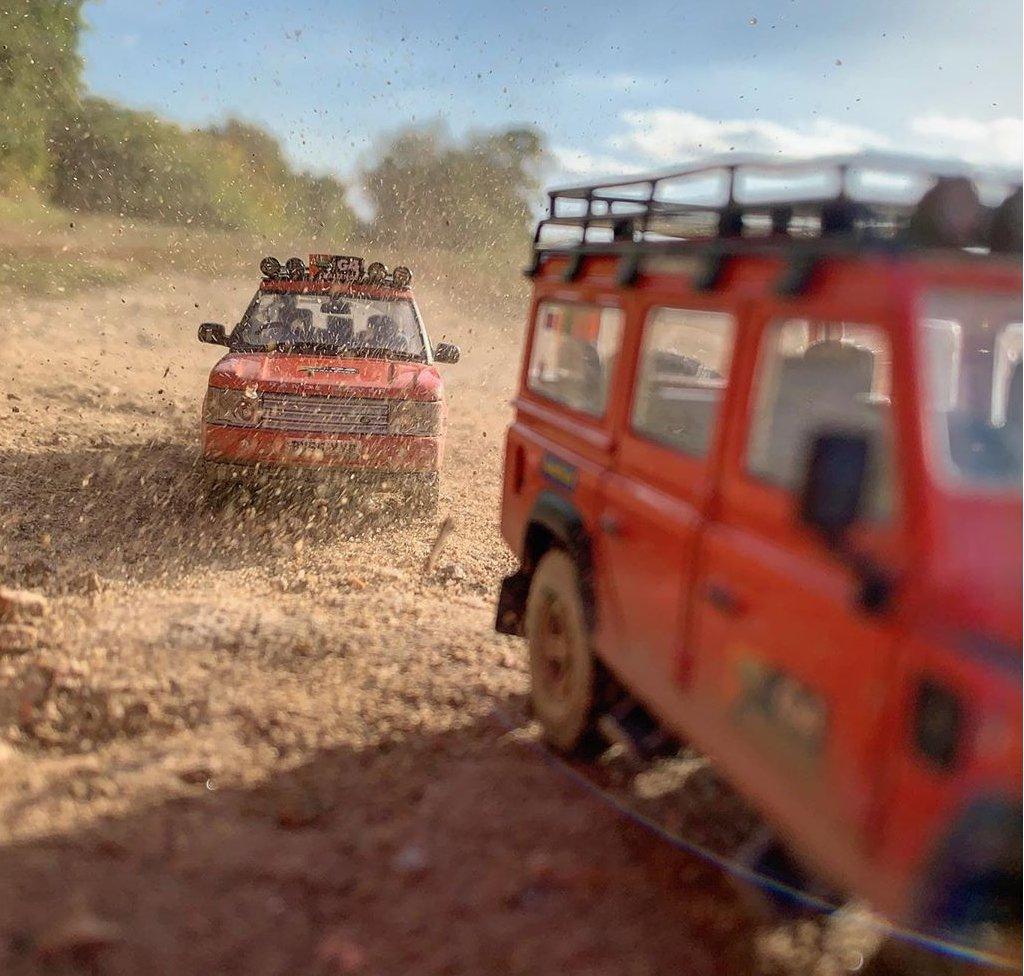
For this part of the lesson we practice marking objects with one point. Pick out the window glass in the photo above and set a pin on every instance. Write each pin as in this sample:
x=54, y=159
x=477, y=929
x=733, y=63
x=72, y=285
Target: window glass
x=819, y=377
x=336, y=325
x=684, y=361
x=972, y=359
x=574, y=352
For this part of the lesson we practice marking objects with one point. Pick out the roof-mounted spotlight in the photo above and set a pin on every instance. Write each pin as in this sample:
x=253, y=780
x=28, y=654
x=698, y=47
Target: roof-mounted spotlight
x=401, y=277
x=376, y=273
x=295, y=268
x=270, y=267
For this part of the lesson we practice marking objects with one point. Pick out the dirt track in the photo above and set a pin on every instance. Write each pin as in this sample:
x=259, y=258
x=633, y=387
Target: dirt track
x=260, y=741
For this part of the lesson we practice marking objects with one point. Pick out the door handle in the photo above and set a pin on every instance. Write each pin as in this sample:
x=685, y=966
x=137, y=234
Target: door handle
x=724, y=599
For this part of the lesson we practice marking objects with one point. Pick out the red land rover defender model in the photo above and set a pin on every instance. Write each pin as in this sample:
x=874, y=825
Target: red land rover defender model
x=330, y=372
x=764, y=484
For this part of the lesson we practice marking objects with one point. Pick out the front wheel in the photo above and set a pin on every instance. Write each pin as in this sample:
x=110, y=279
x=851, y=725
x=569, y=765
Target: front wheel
x=564, y=674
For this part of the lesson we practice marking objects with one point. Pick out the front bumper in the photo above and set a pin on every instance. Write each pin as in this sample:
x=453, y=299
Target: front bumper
x=246, y=448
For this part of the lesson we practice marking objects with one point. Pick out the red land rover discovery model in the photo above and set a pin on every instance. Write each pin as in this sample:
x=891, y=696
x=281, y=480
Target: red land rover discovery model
x=764, y=484
x=329, y=372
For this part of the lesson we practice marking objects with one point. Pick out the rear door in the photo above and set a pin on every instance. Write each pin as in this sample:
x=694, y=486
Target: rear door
x=561, y=442
x=799, y=673
x=658, y=490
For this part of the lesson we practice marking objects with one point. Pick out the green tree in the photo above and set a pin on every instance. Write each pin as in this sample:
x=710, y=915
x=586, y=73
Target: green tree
x=40, y=78
x=430, y=189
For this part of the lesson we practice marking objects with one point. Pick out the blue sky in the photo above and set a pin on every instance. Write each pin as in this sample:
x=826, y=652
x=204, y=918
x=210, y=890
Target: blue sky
x=613, y=85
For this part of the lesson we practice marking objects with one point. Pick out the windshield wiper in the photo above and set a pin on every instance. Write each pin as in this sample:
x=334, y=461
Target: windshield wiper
x=385, y=352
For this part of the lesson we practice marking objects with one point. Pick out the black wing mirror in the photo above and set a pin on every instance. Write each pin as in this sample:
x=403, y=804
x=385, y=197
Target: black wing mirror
x=833, y=489
x=213, y=333
x=446, y=352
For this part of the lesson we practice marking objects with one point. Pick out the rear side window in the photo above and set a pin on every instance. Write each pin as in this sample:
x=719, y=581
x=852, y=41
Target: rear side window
x=684, y=362
x=575, y=348
x=815, y=378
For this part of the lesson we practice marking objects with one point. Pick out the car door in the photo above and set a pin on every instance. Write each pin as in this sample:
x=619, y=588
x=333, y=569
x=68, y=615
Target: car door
x=657, y=491
x=796, y=669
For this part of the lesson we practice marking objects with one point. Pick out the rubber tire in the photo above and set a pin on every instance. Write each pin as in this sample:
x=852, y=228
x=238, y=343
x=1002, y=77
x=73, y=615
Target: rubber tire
x=568, y=716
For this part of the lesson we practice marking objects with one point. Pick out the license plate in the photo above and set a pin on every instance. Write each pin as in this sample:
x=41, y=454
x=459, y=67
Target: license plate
x=326, y=450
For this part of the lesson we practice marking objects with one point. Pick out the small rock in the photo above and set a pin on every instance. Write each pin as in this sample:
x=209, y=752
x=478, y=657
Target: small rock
x=453, y=572
x=21, y=604
x=18, y=638
x=196, y=776
x=338, y=952
x=81, y=936
x=411, y=859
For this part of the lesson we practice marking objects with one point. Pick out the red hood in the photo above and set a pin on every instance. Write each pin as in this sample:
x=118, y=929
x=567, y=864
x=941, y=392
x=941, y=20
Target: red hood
x=328, y=375
x=977, y=568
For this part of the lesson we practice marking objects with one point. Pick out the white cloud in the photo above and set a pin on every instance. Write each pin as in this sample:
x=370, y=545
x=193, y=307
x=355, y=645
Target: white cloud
x=664, y=136
x=580, y=164
x=996, y=141
x=668, y=135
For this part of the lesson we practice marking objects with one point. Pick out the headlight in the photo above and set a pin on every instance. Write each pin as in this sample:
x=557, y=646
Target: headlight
x=235, y=408
x=415, y=417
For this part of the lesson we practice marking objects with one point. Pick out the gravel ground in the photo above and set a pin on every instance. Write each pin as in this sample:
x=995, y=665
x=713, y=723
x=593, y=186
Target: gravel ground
x=262, y=741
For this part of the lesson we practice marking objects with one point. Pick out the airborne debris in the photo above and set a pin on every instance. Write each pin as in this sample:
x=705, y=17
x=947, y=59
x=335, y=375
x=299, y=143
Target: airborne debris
x=444, y=531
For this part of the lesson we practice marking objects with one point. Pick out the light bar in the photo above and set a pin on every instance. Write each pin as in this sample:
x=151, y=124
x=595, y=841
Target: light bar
x=336, y=267
x=341, y=266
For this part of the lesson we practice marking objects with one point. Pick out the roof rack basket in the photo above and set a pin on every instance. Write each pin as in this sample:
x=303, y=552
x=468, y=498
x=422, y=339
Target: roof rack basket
x=860, y=198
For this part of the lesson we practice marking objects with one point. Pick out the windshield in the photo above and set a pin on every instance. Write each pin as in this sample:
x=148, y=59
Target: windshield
x=340, y=325
x=973, y=368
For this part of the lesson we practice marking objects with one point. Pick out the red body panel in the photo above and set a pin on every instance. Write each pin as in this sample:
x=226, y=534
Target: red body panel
x=295, y=449
x=670, y=534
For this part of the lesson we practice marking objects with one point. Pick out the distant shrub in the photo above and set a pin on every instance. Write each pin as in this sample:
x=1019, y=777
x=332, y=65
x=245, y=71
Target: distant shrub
x=39, y=79
x=425, y=186
x=233, y=176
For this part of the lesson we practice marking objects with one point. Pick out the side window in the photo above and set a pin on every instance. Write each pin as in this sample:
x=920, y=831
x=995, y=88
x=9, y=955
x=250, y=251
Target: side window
x=684, y=362
x=574, y=352
x=815, y=377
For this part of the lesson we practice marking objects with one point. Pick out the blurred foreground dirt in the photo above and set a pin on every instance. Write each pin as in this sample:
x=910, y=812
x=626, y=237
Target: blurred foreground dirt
x=260, y=741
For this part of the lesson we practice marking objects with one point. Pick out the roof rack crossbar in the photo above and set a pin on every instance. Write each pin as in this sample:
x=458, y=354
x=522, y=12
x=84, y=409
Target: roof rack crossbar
x=636, y=208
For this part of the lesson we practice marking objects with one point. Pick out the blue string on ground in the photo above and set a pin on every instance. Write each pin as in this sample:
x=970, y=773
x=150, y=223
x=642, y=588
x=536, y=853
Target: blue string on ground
x=743, y=873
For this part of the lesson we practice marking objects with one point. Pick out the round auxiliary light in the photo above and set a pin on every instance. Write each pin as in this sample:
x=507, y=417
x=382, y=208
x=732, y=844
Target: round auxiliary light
x=295, y=267
x=270, y=267
x=376, y=272
x=247, y=412
x=402, y=277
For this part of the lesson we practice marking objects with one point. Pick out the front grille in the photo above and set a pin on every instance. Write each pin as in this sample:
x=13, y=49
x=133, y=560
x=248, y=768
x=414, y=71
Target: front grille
x=324, y=415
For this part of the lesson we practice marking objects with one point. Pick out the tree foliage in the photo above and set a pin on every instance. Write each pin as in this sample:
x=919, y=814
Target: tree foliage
x=90, y=154
x=234, y=176
x=40, y=73
x=426, y=186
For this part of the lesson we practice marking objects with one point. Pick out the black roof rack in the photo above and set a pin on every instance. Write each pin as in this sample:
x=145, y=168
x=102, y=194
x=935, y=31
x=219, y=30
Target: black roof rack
x=858, y=198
